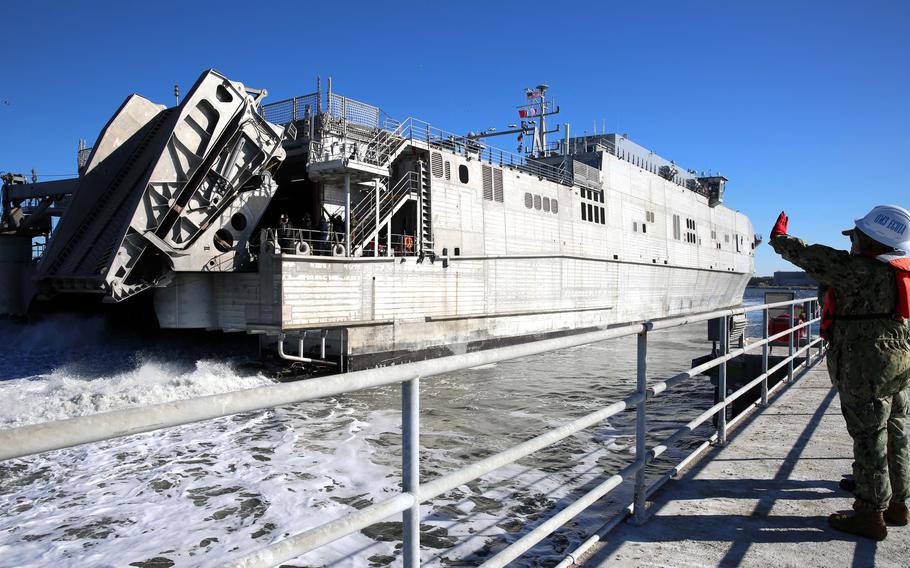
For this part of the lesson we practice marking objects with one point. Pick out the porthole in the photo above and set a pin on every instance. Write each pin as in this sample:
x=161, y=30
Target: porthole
x=238, y=221
x=224, y=240
x=463, y=173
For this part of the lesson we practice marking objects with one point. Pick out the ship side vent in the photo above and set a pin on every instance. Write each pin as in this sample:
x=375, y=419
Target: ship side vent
x=487, y=175
x=448, y=170
x=436, y=164
x=497, y=185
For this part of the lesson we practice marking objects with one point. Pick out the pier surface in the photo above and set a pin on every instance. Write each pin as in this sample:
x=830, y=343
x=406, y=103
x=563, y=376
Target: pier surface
x=763, y=499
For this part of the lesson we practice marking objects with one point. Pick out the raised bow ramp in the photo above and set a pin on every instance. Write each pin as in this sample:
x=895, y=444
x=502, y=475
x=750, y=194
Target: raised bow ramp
x=166, y=190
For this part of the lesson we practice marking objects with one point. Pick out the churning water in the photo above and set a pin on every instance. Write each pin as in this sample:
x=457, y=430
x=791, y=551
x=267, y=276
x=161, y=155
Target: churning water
x=202, y=494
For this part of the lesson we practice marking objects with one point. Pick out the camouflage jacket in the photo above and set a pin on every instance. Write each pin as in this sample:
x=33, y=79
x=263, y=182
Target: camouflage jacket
x=862, y=286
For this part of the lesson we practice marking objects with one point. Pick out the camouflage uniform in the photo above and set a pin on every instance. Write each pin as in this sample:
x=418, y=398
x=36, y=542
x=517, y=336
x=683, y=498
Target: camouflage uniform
x=869, y=364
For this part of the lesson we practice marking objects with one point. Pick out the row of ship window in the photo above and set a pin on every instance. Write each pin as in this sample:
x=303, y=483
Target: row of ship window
x=541, y=203
x=593, y=213
x=493, y=191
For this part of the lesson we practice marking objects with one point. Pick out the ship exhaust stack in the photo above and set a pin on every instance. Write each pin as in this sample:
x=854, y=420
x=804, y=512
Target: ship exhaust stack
x=166, y=190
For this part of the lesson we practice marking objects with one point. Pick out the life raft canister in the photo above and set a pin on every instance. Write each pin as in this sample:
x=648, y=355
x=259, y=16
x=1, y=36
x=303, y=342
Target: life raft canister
x=901, y=267
x=781, y=323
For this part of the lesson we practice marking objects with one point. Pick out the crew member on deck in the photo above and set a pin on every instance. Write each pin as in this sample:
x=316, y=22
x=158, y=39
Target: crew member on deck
x=864, y=319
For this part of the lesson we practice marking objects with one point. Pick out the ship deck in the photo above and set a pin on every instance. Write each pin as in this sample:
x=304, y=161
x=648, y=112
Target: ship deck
x=763, y=499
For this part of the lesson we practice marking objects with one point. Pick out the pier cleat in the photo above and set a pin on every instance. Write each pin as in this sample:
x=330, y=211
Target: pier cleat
x=868, y=524
x=896, y=514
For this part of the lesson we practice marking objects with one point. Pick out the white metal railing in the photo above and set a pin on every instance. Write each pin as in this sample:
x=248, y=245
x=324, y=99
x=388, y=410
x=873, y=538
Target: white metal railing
x=28, y=440
x=319, y=242
x=350, y=111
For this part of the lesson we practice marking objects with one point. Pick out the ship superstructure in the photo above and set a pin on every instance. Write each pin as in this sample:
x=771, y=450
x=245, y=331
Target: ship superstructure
x=329, y=228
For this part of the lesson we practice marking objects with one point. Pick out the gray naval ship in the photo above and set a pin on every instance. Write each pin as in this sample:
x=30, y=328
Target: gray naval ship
x=343, y=236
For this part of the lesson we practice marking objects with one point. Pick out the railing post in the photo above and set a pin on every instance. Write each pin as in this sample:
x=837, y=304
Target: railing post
x=764, y=357
x=376, y=239
x=641, y=427
x=722, y=381
x=347, y=214
x=410, y=469
x=790, y=343
x=807, y=315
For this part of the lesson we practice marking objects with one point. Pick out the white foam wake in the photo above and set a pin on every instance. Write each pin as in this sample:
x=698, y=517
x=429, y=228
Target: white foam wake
x=64, y=393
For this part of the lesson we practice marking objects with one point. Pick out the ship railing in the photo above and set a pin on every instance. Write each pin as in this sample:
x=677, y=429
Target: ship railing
x=290, y=110
x=330, y=242
x=347, y=111
x=471, y=148
x=33, y=439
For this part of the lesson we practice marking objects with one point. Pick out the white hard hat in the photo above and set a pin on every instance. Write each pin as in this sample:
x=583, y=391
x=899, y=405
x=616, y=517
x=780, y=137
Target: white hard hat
x=889, y=225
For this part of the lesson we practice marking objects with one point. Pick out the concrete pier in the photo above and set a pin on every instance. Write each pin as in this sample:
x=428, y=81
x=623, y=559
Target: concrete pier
x=762, y=500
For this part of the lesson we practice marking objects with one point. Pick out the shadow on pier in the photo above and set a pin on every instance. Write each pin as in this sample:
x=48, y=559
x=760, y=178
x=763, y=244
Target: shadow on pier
x=762, y=500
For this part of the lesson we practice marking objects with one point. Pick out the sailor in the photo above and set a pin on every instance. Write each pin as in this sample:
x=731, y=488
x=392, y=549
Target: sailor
x=866, y=306
x=286, y=237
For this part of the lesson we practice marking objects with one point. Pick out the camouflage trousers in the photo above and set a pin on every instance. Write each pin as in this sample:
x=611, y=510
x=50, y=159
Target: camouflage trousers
x=881, y=459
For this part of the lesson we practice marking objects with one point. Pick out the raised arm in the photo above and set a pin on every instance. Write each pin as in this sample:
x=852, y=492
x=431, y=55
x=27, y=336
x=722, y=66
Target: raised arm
x=828, y=266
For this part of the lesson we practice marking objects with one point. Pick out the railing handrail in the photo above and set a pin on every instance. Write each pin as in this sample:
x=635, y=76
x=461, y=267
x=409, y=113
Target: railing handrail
x=27, y=440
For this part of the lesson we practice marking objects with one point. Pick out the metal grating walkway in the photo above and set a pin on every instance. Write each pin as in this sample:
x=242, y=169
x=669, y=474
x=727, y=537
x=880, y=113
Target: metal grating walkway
x=763, y=500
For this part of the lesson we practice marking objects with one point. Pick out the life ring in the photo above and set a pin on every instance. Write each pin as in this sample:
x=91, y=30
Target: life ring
x=408, y=243
x=303, y=248
x=338, y=250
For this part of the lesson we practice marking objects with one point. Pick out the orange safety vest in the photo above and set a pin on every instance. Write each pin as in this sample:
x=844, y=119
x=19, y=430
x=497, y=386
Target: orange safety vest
x=901, y=268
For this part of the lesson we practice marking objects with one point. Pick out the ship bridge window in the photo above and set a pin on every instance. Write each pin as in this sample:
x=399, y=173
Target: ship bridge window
x=529, y=201
x=554, y=206
x=546, y=204
x=463, y=173
x=537, y=202
x=584, y=212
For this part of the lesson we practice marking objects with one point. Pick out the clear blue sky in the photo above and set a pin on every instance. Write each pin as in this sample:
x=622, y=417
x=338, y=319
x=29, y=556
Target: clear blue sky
x=802, y=104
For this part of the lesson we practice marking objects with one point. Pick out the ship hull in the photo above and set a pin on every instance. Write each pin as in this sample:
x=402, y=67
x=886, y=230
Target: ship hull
x=377, y=311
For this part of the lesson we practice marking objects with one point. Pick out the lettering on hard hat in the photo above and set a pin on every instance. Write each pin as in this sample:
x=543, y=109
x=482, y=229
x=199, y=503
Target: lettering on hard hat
x=897, y=227
x=881, y=219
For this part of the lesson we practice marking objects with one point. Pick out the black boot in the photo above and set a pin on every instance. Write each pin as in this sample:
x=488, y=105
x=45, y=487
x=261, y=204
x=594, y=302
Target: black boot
x=896, y=514
x=869, y=524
